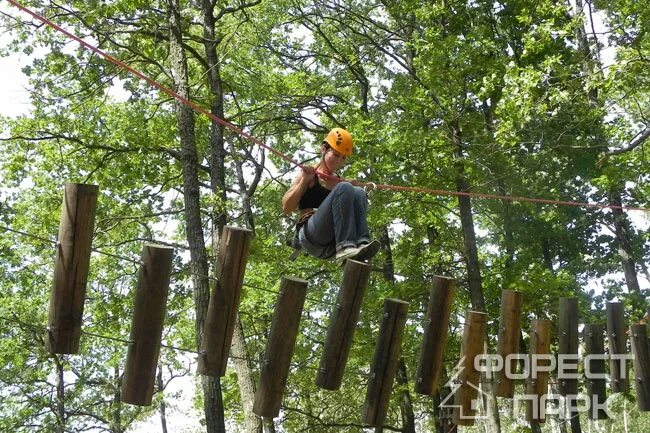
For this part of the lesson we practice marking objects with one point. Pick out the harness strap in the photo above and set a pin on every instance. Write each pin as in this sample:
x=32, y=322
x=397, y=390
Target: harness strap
x=294, y=255
x=302, y=222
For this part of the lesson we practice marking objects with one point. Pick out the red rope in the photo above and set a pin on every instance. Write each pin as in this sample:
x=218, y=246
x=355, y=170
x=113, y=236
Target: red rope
x=255, y=140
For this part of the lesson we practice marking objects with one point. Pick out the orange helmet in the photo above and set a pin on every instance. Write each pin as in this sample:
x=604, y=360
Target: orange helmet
x=340, y=140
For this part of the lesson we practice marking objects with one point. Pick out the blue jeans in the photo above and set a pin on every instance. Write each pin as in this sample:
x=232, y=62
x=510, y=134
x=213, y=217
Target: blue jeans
x=339, y=222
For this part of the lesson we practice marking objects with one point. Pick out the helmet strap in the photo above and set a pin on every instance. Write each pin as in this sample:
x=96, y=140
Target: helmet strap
x=329, y=171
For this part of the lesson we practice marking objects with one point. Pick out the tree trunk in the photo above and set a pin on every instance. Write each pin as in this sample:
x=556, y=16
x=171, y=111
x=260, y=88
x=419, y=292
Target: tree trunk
x=592, y=64
x=443, y=415
x=241, y=363
x=561, y=425
x=547, y=257
x=217, y=156
x=467, y=223
x=163, y=406
x=60, y=396
x=269, y=426
x=213, y=405
x=389, y=267
x=241, y=359
x=575, y=423
x=473, y=266
x=575, y=418
x=245, y=192
x=116, y=422
x=591, y=59
x=508, y=238
x=622, y=230
x=311, y=426
x=534, y=427
x=405, y=402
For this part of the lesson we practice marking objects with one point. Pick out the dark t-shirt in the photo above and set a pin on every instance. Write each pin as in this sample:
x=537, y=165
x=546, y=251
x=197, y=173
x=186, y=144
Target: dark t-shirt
x=314, y=196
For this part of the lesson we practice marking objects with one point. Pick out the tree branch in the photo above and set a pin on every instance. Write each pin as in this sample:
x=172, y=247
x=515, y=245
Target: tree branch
x=636, y=142
x=232, y=10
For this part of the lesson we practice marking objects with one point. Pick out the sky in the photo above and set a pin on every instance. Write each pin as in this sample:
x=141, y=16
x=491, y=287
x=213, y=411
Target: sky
x=14, y=99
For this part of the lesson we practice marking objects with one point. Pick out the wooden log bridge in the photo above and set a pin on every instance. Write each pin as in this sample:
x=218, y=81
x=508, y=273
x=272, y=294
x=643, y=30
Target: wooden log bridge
x=641, y=361
x=384, y=365
x=537, y=383
x=279, y=347
x=224, y=301
x=508, y=340
x=466, y=397
x=343, y=322
x=71, y=270
x=436, y=327
x=595, y=370
x=617, y=343
x=147, y=325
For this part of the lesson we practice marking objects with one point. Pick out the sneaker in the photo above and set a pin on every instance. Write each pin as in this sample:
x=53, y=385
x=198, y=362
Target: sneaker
x=346, y=253
x=368, y=251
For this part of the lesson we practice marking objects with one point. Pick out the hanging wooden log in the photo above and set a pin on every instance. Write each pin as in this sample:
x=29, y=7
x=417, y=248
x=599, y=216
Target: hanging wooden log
x=641, y=352
x=568, y=344
x=617, y=343
x=595, y=375
x=537, y=383
x=508, y=340
x=434, y=340
x=343, y=322
x=150, y=308
x=384, y=364
x=465, y=399
x=279, y=347
x=224, y=301
x=71, y=271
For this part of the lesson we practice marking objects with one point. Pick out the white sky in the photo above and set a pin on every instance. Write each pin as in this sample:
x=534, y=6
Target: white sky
x=14, y=99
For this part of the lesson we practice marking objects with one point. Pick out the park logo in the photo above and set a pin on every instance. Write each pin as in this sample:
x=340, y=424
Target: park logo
x=494, y=366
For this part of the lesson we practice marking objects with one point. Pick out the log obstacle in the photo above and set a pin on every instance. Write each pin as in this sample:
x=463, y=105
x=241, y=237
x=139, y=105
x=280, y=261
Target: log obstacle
x=465, y=398
x=568, y=344
x=537, y=382
x=71, y=270
x=147, y=325
x=436, y=327
x=617, y=343
x=224, y=301
x=595, y=375
x=384, y=365
x=508, y=340
x=641, y=361
x=343, y=322
x=279, y=347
